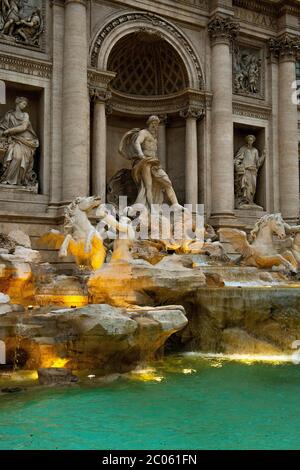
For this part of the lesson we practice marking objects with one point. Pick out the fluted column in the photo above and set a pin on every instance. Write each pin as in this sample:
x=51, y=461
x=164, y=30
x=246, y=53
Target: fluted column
x=99, y=143
x=191, y=155
x=222, y=32
x=55, y=176
x=75, y=102
x=285, y=48
x=162, y=142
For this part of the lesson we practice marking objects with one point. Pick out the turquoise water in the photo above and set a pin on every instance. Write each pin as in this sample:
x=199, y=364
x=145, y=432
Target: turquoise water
x=187, y=403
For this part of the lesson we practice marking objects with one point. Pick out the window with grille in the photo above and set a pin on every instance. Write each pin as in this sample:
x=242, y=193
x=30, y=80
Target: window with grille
x=146, y=65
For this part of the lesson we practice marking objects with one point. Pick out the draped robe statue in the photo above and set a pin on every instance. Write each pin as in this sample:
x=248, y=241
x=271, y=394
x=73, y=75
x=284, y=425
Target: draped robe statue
x=247, y=162
x=22, y=142
x=153, y=183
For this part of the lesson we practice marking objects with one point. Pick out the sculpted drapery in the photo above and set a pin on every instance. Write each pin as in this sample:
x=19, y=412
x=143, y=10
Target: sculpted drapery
x=22, y=143
x=140, y=146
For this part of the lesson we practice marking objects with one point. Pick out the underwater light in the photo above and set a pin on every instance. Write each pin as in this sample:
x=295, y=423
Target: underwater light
x=246, y=358
x=188, y=371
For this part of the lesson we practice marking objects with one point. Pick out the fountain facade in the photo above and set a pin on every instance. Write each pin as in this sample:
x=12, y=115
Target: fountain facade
x=131, y=104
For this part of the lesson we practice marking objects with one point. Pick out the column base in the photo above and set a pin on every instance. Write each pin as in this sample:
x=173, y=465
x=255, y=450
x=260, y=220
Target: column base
x=224, y=219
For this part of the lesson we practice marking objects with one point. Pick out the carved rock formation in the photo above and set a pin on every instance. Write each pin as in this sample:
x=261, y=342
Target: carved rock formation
x=248, y=320
x=94, y=337
x=140, y=283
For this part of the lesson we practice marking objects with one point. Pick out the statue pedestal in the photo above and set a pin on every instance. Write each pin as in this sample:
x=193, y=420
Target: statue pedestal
x=20, y=189
x=250, y=207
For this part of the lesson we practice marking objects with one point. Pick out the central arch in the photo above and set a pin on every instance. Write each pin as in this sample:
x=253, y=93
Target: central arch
x=129, y=23
x=146, y=65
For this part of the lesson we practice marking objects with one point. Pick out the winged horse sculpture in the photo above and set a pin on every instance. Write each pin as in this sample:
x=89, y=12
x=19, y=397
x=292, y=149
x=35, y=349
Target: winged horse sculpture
x=261, y=250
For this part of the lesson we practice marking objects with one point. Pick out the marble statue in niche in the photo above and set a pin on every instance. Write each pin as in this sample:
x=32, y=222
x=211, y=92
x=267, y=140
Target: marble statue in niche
x=247, y=163
x=247, y=69
x=18, y=146
x=147, y=182
x=21, y=21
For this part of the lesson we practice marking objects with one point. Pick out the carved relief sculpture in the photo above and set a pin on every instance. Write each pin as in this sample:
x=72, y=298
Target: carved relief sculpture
x=247, y=70
x=20, y=21
x=19, y=143
x=247, y=162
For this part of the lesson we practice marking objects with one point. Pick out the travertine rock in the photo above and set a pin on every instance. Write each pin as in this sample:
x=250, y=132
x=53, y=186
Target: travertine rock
x=20, y=238
x=238, y=341
x=140, y=283
x=243, y=320
x=56, y=376
x=100, y=337
x=6, y=306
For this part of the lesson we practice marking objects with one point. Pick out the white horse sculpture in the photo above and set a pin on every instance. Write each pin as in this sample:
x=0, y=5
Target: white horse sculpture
x=261, y=251
x=80, y=238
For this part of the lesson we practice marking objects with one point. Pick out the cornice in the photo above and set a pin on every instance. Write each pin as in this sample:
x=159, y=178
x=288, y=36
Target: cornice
x=167, y=104
x=254, y=5
x=60, y=3
x=100, y=79
x=252, y=111
x=27, y=66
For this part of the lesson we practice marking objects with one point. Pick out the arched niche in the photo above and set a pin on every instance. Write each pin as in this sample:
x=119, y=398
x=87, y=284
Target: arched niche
x=128, y=23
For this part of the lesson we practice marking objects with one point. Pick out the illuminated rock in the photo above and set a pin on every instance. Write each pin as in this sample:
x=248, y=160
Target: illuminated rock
x=16, y=261
x=140, y=283
x=248, y=320
x=6, y=306
x=94, y=337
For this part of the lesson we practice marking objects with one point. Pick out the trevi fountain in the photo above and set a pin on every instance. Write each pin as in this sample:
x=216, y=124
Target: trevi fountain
x=149, y=225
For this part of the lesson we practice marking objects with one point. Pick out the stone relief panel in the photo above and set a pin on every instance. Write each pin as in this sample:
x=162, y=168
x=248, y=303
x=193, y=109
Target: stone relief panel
x=248, y=72
x=22, y=22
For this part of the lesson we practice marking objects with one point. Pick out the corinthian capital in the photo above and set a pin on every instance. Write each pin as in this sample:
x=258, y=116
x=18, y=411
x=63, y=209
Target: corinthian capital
x=194, y=113
x=223, y=29
x=99, y=95
x=284, y=47
x=82, y=2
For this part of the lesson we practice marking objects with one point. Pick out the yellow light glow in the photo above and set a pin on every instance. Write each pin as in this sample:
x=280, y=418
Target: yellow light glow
x=244, y=358
x=62, y=300
x=33, y=375
x=59, y=362
x=188, y=371
x=146, y=375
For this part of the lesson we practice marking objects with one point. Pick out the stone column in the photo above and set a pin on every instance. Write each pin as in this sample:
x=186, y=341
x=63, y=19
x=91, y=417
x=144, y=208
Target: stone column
x=75, y=102
x=285, y=48
x=99, y=143
x=56, y=98
x=191, y=156
x=222, y=31
x=162, y=142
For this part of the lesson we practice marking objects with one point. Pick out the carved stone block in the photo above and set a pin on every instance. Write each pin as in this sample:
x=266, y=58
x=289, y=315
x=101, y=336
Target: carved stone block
x=22, y=22
x=248, y=72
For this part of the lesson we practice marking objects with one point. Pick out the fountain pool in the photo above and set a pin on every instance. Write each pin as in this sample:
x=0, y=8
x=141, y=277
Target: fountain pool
x=186, y=402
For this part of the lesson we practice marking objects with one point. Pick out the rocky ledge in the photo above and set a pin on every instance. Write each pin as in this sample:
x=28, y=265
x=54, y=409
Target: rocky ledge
x=95, y=337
